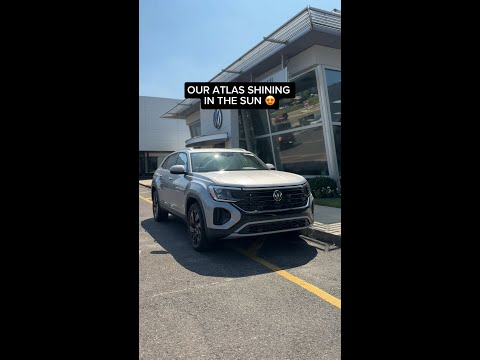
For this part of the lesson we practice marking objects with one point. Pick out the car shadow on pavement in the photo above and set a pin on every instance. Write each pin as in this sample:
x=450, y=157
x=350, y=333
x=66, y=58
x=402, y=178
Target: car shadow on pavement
x=222, y=260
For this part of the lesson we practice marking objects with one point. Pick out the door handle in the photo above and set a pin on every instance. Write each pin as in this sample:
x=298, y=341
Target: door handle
x=170, y=178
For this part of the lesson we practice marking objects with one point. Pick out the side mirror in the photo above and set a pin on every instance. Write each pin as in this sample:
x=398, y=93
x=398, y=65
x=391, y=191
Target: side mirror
x=177, y=169
x=270, y=166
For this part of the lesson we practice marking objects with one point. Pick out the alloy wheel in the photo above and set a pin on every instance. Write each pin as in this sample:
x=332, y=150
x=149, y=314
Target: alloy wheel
x=155, y=205
x=195, y=227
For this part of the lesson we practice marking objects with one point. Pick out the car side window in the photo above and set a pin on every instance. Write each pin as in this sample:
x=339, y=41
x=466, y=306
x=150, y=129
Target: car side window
x=169, y=162
x=182, y=160
x=164, y=164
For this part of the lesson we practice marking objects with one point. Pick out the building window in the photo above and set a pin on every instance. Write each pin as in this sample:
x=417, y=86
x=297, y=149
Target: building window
x=334, y=87
x=301, y=152
x=294, y=149
x=333, y=80
x=262, y=147
x=302, y=110
x=337, y=136
x=141, y=164
x=154, y=160
x=243, y=144
x=195, y=129
x=254, y=121
x=152, y=164
x=148, y=162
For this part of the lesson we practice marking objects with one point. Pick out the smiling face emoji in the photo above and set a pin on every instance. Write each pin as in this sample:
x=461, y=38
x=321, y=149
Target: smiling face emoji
x=269, y=100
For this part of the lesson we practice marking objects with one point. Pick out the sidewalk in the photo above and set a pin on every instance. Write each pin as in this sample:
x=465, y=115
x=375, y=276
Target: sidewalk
x=327, y=226
x=147, y=183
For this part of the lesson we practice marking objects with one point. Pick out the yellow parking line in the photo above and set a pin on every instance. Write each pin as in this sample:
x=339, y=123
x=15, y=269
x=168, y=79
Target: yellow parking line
x=144, y=198
x=256, y=244
x=307, y=286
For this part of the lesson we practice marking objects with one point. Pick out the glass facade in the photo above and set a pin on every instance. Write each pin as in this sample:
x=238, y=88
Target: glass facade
x=303, y=136
x=195, y=129
x=333, y=79
x=262, y=147
x=337, y=132
x=149, y=161
x=280, y=136
x=255, y=122
x=334, y=87
x=301, y=152
x=302, y=110
x=141, y=164
x=243, y=144
x=152, y=164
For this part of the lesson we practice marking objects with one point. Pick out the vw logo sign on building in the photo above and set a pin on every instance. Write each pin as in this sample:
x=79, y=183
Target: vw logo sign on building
x=217, y=118
x=277, y=195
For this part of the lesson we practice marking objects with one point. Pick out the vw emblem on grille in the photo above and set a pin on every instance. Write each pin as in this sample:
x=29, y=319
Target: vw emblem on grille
x=277, y=195
x=217, y=118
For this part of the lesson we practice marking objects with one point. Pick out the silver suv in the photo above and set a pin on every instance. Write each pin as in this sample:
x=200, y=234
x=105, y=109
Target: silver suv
x=229, y=193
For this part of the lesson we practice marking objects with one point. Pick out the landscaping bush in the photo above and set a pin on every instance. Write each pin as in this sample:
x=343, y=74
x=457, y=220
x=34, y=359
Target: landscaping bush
x=324, y=187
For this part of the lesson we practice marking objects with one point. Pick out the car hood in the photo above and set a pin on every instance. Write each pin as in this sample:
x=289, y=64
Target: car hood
x=254, y=178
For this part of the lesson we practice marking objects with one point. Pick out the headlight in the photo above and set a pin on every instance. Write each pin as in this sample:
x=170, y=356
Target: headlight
x=306, y=188
x=220, y=193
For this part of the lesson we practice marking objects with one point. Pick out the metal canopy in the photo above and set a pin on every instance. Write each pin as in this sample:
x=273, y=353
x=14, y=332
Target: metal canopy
x=206, y=138
x=309, y=27
x=183, y=109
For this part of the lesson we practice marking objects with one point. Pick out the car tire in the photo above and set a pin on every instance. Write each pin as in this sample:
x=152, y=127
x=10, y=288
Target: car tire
x=158, y=213
x=196, y=228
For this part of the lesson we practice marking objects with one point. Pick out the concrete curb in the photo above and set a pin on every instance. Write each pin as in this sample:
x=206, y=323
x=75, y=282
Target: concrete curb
x=312, y=232
x=317, y=234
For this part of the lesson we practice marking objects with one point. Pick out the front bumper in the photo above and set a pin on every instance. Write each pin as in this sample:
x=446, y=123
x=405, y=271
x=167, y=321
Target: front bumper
x=244, y=225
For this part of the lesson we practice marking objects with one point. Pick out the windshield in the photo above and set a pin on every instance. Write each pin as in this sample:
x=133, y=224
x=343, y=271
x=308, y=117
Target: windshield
x=225, y=161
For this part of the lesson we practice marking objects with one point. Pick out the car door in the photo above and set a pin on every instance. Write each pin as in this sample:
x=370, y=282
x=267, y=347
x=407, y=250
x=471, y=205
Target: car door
x=179, y=185
x=164, y=184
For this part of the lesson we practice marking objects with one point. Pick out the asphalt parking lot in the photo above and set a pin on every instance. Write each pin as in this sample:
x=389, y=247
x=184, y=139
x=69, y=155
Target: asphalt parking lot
x=257, y=298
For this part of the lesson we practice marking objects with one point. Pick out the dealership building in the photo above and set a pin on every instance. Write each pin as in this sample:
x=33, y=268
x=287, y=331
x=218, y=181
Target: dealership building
x=302, y=136
x=158, y=137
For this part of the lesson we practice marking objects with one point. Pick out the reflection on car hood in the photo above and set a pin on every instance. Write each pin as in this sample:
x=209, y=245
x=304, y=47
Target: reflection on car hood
x=254, y=178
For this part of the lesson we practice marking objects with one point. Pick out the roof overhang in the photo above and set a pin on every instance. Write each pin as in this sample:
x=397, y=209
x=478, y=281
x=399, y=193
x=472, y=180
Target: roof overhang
x=308, y=39
x=183, y=109
x=206, y=139
x=309, y=27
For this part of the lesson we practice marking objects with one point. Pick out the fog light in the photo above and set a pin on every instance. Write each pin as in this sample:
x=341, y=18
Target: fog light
x=221, y=216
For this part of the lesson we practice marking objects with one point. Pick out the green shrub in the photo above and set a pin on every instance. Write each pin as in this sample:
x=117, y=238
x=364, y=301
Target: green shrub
x=324, y=187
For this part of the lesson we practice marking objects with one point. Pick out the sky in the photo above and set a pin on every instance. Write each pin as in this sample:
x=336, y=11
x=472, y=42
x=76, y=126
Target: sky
x=193, y=40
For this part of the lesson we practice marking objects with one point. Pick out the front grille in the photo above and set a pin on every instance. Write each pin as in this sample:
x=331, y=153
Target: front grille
x=274, y=226
x=262, y=200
